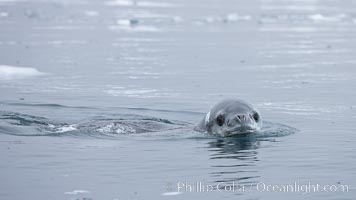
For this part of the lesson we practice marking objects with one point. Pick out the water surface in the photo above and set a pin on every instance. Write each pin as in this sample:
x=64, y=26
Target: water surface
x=68, y=62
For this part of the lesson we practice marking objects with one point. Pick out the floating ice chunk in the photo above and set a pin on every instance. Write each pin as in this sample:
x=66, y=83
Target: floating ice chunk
x=127, y=22
x=11, y=72
x=316, y=17
x=132, y=28
x=9, y=1
x=4, y=14
x=120, y=3
x=232, y=17
x=148, y=14
x=154, y=4
x=91, y=13
x=210, y=19
x=171, y=193
x=131, y=92
x=123, y=22
x=322, y=18
x=75, y=192
x=177, y=19
x=139, y=3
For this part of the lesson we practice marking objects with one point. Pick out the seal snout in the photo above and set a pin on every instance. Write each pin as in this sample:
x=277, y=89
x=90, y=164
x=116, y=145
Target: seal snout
x=243, y=117
x=230, y=117
x=240, y=119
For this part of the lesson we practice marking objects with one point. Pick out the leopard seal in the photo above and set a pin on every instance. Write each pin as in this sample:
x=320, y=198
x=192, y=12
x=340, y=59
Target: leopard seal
x=227, y=118
x=231, y=117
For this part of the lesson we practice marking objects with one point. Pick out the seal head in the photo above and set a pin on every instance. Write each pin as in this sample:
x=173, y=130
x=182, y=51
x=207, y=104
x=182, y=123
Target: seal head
x=231, y=117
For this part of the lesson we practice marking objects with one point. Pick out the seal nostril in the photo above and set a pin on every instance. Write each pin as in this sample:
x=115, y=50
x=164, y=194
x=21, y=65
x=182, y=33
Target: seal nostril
x=242, y=117
x=220, y=120
x=256, y=117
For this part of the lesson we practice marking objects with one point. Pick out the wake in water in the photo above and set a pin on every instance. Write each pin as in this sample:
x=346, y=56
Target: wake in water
x=28, y=125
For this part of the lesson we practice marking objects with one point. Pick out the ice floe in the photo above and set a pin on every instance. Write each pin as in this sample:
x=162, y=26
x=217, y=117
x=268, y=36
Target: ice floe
x=8, y=72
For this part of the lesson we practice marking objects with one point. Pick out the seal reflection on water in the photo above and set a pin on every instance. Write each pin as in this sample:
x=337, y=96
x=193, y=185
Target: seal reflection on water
x=231, y=117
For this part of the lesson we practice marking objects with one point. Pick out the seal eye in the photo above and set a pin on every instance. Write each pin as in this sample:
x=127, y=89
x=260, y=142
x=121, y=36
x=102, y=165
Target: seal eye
x=220, y=120
x=256, y=117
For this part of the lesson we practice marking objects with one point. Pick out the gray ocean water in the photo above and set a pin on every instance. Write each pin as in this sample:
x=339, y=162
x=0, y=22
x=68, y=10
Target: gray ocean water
x=64, y=63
